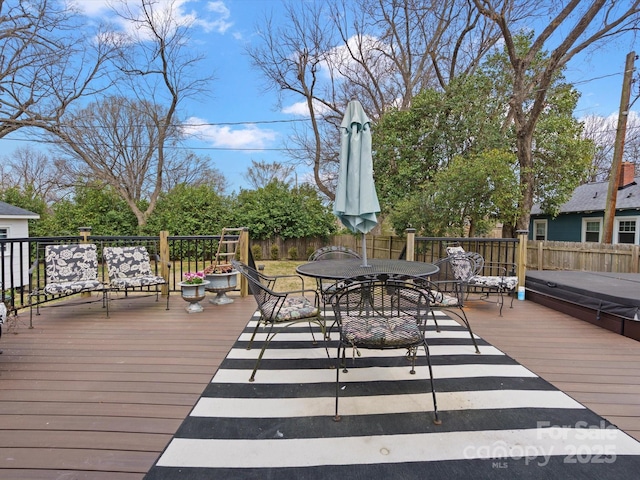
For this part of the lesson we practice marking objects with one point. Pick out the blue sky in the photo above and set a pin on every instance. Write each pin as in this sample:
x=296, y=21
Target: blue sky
x=238, y=98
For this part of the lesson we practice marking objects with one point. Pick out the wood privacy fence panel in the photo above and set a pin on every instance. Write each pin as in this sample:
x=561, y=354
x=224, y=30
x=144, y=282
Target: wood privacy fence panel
x=378, y=246
x=588, y=256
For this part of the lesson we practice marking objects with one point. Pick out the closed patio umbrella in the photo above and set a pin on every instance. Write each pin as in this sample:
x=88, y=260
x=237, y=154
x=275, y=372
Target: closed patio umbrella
x=356, y=203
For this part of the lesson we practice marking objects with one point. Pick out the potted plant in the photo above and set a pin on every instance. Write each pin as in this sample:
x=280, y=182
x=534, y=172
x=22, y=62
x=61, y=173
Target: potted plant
x=193, y=290
x=221, y=279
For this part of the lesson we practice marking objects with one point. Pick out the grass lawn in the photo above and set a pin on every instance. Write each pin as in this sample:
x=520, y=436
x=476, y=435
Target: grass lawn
x=286, y=267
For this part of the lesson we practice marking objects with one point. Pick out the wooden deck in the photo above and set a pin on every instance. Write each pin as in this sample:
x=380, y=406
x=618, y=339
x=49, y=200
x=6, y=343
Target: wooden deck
x=91, y=398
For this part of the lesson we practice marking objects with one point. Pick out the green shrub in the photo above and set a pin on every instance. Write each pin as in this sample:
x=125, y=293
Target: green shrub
x=310, y=250
x=256, y=251
x=293, y=253
x=275, y=252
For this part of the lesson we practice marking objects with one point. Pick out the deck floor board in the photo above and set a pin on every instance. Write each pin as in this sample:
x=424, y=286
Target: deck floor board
x=100, y=398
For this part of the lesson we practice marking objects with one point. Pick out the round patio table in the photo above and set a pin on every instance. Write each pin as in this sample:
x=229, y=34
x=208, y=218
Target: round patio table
x=347, y=268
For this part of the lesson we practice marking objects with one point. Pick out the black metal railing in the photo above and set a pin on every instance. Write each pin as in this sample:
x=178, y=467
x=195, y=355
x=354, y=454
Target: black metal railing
x=189, y=254
x=22, y=259
x=496, y=251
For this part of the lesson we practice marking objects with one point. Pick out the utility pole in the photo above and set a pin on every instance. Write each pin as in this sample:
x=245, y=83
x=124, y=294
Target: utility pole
x=618, y=150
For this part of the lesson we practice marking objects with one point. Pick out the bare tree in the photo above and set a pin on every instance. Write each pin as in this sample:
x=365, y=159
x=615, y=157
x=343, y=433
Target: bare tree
x=33, y=169
x=381, y=52
x=114, y=141
x=47, y=62
x=130, y=146
x=291, y=57
x=261, y=173
x=390, y=51
x=187, y=167
x=578, y=24
x=602, y=132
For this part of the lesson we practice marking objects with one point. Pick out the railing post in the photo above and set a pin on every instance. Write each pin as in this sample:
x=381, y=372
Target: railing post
x=165, y=260
x=523, y=236
x=411, y=244
x=84, y=233
x=244, y=258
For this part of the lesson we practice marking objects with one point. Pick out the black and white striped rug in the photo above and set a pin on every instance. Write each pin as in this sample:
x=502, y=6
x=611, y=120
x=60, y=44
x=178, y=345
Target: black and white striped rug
x=499, y=420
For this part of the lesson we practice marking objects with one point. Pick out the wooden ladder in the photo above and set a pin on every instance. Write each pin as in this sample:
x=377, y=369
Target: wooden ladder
x=227, y=247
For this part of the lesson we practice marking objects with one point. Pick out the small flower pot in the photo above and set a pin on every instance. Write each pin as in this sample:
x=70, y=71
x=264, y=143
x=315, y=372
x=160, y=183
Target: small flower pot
x=193, y=293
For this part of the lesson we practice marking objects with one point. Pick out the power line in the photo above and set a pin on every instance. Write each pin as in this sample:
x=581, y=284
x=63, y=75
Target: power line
x=173, y=147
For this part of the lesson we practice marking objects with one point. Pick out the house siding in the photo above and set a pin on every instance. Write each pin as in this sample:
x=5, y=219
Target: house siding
x=567, y=227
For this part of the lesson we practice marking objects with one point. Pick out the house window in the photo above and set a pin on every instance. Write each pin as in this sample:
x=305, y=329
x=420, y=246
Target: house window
x=627, y=231
x=4, y=233
x=539, y=229
x=591, y=229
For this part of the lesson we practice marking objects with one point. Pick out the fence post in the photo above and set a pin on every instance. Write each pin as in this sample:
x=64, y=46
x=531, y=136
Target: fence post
x=411, y=244
x=244, y=258
x=523, y=236
x=165, y=261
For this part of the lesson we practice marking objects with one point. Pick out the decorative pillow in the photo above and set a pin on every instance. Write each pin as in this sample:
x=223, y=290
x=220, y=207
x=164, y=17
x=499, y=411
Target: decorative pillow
x=454, y=250
x=461, y=266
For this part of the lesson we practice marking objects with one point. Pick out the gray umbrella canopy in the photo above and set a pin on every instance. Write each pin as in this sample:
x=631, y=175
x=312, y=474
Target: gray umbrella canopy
x=356, y=203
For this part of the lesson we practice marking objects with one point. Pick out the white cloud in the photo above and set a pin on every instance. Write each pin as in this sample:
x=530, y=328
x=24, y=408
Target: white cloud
x=248, y=136
x=219, y=24
x=214, y=17
x=91, y=8
x=298, y=108
x=301, y=109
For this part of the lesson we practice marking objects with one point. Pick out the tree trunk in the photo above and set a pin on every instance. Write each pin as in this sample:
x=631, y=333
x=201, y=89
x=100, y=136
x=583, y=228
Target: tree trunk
x=524, y=142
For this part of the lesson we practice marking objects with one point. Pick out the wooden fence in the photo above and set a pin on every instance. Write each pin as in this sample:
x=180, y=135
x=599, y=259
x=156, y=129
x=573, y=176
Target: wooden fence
x=378, y=246
x=540, y=255
x=588, y=256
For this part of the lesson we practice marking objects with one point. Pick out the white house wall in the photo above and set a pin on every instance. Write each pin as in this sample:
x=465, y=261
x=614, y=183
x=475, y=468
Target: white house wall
x=16, y=228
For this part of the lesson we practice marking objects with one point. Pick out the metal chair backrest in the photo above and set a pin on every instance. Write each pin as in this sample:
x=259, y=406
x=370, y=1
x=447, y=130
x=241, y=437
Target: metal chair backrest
x=333, y=253
x=260, y=286
x=394, y=299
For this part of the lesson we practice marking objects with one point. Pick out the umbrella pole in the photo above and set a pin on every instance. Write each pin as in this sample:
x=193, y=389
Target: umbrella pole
x=364, y=251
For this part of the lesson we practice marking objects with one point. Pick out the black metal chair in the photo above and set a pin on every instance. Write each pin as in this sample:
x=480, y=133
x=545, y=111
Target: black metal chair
x=381, y=313
x=326, y=287
x=280, y=309
x=486, y=278
x=69, y=269
x=129, y=268
x=446, y=293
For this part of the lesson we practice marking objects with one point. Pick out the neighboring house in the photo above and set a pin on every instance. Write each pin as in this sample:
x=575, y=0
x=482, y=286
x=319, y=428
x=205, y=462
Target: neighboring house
x=581, y=218
x=14, y=224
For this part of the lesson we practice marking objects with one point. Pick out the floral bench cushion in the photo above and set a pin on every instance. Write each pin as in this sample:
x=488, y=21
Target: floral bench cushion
x=130, y=267
x=379, y=331
x=503, y=283
x=296, y=307
x=71, y=269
